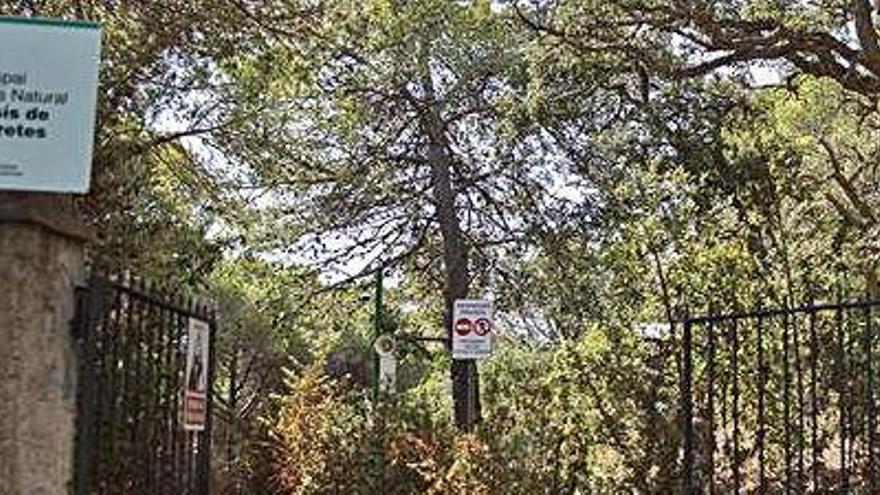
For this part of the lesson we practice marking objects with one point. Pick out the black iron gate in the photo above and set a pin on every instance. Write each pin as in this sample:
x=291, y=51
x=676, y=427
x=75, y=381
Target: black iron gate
x=781, y=401
x=130, y=435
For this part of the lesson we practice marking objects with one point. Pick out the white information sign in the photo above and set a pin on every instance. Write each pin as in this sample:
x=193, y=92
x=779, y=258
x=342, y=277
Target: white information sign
x=195, y=396
x=387, y=373
x=472, y=327
x=385, y=347
x=48, y=91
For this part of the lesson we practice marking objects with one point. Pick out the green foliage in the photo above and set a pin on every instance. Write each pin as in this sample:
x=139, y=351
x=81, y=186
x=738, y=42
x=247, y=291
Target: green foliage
x=553, y=422
x=153, y=201
x=319, y=440
x=802, y=159
x=351, y=95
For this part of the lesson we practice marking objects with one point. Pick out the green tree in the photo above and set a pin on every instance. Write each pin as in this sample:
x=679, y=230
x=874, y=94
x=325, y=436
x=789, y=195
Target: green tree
x=700, y=37
x=393, y=133
x=154, y=200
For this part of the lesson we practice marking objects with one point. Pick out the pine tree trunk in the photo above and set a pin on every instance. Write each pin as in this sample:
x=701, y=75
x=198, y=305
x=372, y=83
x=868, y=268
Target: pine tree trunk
x=455, y=250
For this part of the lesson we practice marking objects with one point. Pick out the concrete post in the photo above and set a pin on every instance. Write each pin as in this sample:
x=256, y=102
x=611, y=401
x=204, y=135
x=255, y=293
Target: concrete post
x=42, y=244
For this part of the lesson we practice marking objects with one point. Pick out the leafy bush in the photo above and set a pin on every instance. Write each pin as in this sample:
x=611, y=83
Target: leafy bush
x=318, y=439
x=569, y=419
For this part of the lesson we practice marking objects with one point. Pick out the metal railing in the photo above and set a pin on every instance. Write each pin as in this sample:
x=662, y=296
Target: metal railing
x=132, y=354
x=781, y=400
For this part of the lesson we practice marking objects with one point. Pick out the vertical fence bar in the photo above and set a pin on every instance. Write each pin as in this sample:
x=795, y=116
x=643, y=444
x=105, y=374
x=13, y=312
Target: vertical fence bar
x=841, y=396
x=177, y=427
x=103, y=362
x=710, y=403
x=869, y=398
x=762, y=423
x=850, y=427
x=151, y=411
x=132, y=394
x=205, y=443
x=852, y=396
x=737, y=477
x=111, y=426
x=88, y=311
x=187, y=435
x=161, y=332
x=169, y=389
x=799, y=376
x=126, y=422
x=786, y=403
x=687, y=417
x=814, y=410
x=155, y=419
x=187, y=444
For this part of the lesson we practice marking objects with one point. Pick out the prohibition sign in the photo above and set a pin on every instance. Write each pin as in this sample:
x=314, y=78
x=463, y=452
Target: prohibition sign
x=463, y=326
x=482, y=326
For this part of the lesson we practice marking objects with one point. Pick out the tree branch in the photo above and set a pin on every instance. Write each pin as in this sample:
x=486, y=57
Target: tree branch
x=848, y=188
x=867, y=35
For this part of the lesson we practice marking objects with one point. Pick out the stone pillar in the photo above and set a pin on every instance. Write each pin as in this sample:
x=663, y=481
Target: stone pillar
x=42, y=244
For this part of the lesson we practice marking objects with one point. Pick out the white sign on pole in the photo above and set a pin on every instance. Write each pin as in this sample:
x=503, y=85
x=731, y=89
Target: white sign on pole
x=385, y=347
x=387, y=373
x=195, y=397
x=48, y=91
x=472, y=327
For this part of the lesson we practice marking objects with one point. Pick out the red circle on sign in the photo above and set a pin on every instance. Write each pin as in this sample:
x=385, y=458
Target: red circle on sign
x=463, y=326
x=482, y=326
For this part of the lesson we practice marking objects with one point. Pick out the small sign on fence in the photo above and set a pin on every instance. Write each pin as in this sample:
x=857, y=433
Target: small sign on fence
x=472, y=323
x=195, y=397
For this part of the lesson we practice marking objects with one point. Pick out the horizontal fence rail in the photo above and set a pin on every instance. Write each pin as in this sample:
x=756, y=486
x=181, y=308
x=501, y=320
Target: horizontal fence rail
x=781, y=400
x=130, y=437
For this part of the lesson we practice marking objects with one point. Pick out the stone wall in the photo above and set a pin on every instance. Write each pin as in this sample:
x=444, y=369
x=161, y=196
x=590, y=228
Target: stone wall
x=41, y=261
